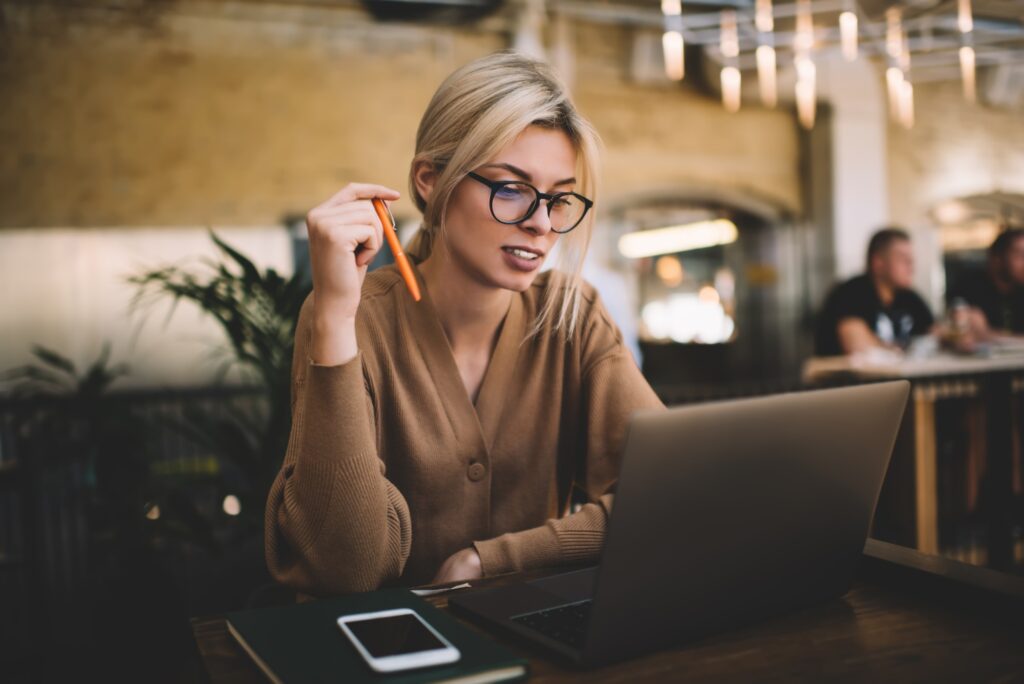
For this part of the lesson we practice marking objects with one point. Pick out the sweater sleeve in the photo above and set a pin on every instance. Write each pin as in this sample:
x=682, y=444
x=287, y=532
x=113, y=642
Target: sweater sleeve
x=334, y=523
x=612, y=389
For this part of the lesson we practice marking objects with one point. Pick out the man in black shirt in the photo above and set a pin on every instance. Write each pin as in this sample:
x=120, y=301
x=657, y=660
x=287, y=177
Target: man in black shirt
x=995, y=295
x=878, y=308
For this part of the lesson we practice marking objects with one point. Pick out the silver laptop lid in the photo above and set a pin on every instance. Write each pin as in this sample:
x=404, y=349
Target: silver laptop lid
x=729, y=512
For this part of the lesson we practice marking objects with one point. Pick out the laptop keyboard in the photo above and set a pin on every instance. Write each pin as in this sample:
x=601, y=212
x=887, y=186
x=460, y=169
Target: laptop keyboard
x=567, y=623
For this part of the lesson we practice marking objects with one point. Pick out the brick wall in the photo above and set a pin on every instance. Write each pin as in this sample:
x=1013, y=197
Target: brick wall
x=240, y=112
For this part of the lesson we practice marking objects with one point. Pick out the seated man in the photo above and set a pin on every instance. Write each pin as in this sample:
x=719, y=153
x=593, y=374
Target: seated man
x=995, y=294
x=877, y=308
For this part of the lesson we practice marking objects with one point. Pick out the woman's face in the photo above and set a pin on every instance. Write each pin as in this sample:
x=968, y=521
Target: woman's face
x=486, y=248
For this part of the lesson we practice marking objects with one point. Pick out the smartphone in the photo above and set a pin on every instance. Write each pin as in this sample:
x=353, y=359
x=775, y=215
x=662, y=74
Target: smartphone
x=399, y=639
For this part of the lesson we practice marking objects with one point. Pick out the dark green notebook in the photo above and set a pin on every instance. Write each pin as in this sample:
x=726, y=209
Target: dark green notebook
x=302, y=643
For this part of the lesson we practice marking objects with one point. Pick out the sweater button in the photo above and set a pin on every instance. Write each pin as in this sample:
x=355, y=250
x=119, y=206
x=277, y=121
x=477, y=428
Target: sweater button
x=476, y=471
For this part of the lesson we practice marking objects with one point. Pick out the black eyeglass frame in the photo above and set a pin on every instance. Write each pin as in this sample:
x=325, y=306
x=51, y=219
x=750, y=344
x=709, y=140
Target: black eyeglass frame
x=497, y=185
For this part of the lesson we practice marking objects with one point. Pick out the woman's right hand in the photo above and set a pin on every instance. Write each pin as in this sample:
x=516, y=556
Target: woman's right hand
x=345, y=235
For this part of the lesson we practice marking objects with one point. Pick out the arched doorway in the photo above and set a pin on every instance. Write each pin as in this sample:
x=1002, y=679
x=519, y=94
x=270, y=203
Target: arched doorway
x=718, y=287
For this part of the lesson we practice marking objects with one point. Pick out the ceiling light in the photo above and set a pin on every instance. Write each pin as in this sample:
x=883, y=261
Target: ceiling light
x=766, y=75
x=682, y=238
x=848, y=35
x=672, y=46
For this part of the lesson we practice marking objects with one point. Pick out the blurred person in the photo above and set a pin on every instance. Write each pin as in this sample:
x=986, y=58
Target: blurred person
x=995, y=295
x=446, y=439
x=877, y=309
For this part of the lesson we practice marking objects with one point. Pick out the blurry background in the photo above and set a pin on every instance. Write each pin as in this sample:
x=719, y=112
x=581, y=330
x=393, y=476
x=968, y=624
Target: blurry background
x=145, y=404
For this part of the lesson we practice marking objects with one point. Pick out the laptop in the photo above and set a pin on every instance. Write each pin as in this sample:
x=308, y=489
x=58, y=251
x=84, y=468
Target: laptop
x=725, y=514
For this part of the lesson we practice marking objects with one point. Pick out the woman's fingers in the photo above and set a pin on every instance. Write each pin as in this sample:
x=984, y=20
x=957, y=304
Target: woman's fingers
x=335, y=221
x=371, y=246
x=361, y=211
x=358, y=191
x=345, y=234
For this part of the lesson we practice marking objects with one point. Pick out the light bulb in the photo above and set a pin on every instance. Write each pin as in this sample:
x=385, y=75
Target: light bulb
x=766, y=75
x=672, y=47
x=731, y=81
x=848, y=35
x=967, y=73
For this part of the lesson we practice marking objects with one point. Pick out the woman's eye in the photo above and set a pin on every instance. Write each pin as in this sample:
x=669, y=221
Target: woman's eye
x=508, y=191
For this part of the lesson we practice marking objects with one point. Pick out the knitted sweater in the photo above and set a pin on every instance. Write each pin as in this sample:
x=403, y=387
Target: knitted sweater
x=391, y=467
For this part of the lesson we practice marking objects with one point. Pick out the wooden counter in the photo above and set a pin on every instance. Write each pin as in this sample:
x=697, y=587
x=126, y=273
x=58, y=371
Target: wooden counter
x=908, y=618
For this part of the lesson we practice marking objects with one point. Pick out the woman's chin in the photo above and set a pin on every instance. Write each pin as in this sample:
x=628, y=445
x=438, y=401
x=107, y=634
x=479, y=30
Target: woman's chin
x=501, y=275
x=517, y=282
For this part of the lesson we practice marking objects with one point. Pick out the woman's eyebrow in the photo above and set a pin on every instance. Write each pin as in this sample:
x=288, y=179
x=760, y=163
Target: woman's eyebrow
x=523, y=174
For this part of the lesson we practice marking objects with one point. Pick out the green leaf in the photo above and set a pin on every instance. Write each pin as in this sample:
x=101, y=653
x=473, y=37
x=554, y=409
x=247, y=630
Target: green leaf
x=53, y=359
x=251, y=272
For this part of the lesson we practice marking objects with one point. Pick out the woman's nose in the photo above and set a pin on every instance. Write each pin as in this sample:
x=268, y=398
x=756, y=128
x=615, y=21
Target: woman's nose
x=538, y=222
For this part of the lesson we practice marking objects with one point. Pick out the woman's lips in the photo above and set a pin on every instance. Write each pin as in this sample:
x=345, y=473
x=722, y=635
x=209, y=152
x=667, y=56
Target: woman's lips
x=520, y=263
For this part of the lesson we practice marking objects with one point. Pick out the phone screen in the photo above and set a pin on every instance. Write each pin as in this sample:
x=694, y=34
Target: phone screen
x=395, y=635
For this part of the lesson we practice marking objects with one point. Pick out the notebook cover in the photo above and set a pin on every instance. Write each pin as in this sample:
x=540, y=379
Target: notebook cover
x=303, y=643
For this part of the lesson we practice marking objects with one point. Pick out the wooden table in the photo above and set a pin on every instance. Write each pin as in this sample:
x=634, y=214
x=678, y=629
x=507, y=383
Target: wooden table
x=908, y=618
x=993, y=384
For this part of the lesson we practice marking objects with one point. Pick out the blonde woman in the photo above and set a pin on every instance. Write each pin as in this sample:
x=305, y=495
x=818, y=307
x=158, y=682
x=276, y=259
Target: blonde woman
x=443, y=439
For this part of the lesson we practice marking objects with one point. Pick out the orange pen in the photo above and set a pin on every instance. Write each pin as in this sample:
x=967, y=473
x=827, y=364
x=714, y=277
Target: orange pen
x=391, y=235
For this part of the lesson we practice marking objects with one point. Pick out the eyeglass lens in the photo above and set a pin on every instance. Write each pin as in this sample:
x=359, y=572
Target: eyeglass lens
x=511, y=203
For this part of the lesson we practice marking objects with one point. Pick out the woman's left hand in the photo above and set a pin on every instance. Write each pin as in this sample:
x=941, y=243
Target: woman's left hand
x=461, y=565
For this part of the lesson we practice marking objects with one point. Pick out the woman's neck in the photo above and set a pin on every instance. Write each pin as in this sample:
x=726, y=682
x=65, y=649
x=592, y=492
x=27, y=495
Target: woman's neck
x=470, y=311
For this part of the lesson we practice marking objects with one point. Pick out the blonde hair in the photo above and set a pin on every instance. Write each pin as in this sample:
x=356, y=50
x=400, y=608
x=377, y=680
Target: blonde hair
x=478, y=110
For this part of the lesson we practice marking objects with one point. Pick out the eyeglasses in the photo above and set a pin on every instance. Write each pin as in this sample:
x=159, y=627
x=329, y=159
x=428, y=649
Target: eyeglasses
x=515, y=201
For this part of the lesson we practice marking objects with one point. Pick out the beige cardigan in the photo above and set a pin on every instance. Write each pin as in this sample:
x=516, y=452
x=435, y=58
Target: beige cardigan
x=391, y=468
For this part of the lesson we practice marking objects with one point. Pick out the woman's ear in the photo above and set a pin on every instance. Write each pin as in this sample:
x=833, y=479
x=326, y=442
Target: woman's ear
x=424, y=176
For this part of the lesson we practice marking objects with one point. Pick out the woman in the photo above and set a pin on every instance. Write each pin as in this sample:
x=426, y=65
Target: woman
x=443, y=439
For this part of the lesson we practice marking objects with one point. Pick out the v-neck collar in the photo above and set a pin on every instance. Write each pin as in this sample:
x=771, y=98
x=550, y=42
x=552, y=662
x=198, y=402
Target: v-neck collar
x=483, y=418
